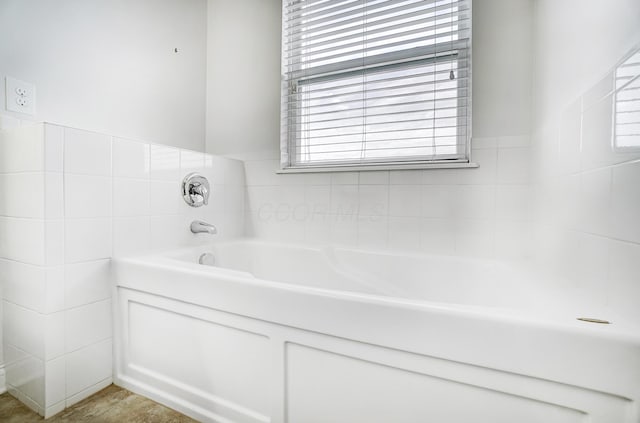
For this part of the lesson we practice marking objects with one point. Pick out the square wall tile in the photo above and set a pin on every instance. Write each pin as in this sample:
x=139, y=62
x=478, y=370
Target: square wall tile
x=23, y=284
x=233, y=199
x=438, y=236
x=317, y=199
x=475, y=237
x=131, y=236
x=373, y=232
x=514, y=165
x=586, y=264
x=88, y=324
x=514, y=141
x=623, y=284
x=166, y=197
x=54, y=195
x=87, y=153
x=87, y=196
x=345, y=178
x=597, y=133
x=475, y=201
x=439, y=201
x=594, y=201
x=440, y=176
x=191, y=161
x=22, y=149
x=87, y=239
x=513, y=202
x=130, y=159
x=569, y=138
x=14, y=201
x=513, y=239
x=88, y=366
x=404, y=233
x=54, y=335
x=374, y=178
x=625, y=202
x=87, y=392
x=54, y=286
x=24, y=329
x=234, y=173
x=22, y=240
x=344, y=229
x=54, y=242
x=86, y=282
x=164, y=163
x=37, y=288
x=169, y=231
x=25, y=376
x=405, y=177
x=54, y=379
x=405, y=200
x=373, y=200
x=344, y=199
x=317, y=229
x=53, y=148
x=130, y=197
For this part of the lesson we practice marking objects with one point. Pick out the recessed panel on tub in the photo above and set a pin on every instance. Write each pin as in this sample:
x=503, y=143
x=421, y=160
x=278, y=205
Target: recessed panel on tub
x=224, y=369
x=326, y=387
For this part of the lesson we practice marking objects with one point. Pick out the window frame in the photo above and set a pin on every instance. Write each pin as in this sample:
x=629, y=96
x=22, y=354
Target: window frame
x=289, y=145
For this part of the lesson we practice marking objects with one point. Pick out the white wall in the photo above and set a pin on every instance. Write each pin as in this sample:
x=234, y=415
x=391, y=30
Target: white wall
x=243, y=72
x=576, y=45
x=110, y=66
x=586, y=192
x=243, y=76
x=502, y=67
x=480, y=212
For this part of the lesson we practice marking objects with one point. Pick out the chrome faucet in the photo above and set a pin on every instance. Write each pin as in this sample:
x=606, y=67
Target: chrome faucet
x=198, y=226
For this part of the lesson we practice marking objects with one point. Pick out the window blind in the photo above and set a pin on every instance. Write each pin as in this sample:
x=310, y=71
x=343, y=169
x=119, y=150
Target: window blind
x=370, y=82
x=627, y=104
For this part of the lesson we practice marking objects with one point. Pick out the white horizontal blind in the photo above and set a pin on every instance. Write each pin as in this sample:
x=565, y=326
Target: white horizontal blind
x=371, y=82
x=627, y=104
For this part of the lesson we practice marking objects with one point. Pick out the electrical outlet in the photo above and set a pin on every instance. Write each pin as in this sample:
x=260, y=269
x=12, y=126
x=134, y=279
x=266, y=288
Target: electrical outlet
x=20, y=96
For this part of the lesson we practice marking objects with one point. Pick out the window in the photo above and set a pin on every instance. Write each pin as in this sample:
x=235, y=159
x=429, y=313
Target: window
x=626, y=135
x=375, y=83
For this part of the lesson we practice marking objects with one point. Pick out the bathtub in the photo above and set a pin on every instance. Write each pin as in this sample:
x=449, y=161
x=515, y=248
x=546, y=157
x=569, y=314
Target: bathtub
x=265, y=332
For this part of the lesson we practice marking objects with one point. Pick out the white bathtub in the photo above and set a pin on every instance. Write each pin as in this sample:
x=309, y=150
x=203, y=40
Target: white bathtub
x=280, y=333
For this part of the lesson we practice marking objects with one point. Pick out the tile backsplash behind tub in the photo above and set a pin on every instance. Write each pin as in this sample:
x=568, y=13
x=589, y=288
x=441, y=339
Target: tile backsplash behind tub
x=473, y=212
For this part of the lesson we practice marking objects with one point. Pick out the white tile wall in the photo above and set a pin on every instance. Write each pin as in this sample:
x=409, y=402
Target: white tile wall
x=87, y=239
x=87, y=153
x=587, y=202
x=92, y=197
x=86, y=282
x=444, y=211
x=87, y=368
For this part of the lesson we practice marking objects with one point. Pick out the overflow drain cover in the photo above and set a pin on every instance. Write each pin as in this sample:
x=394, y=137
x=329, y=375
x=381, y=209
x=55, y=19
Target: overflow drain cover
x=592, y=320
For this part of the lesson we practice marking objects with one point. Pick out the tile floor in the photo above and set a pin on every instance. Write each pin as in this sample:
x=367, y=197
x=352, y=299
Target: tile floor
x=111, y=405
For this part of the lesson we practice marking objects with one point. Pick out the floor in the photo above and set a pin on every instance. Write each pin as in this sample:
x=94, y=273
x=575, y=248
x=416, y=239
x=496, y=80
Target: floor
x=111, y=405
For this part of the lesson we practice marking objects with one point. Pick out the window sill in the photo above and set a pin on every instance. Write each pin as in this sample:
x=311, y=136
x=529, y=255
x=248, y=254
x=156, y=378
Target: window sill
x=364, y=168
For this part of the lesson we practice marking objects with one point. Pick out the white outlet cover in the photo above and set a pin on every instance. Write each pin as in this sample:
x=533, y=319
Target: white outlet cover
x=20, y=96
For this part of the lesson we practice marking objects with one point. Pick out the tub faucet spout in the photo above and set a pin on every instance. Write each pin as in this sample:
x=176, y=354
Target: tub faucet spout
x=198, y=226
